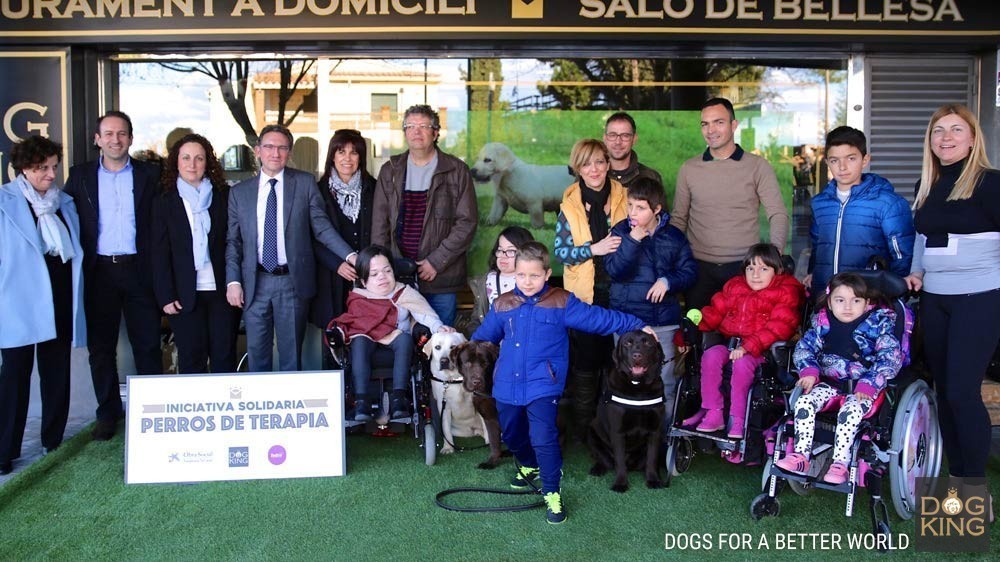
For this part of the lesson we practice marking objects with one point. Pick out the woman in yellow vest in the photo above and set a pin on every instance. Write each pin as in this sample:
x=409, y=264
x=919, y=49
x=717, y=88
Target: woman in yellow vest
x=589, y=208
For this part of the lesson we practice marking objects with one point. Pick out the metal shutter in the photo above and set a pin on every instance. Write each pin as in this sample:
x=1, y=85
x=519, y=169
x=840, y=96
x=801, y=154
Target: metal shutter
x=902, y=93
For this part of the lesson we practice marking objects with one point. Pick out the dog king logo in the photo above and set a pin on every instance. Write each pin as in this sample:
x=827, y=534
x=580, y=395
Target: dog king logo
x=953, y=515
x=239, y=457
x=527, y=9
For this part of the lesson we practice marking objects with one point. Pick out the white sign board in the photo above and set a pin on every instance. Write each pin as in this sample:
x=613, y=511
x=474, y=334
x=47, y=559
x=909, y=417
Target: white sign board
x=193, y=428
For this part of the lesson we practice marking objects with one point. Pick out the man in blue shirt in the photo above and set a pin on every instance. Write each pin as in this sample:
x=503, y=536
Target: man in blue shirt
x=113, y=195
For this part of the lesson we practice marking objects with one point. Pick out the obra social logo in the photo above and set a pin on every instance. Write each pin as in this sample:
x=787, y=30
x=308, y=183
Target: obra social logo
x=239, y=456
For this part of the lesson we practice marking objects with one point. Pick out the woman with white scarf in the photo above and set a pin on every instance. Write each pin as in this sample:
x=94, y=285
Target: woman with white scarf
x=190, y=220
x=41, y=295
x=348, y=191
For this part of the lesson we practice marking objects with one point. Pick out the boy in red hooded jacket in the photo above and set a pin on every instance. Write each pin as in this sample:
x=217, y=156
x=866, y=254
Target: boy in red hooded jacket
x=755, y=311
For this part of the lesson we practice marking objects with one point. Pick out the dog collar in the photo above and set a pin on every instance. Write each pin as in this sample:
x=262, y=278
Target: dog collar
x=629, y=402
x=448, y=381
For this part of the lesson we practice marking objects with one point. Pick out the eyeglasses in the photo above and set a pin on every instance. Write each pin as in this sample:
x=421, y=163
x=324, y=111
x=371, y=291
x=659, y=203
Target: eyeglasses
x=505, y=253
x=615, y=136
x=273, y=147
x=419, y=127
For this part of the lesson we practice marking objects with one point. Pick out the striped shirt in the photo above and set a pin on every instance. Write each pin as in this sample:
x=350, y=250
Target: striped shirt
x=412, y=224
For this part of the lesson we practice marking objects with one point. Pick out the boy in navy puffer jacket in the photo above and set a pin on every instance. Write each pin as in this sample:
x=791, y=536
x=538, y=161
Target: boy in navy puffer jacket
x=530, y=325
x=858, y=216
x=651, y=267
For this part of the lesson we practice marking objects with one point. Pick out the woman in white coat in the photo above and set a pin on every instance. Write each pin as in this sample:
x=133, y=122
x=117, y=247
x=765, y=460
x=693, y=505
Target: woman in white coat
x=41, y=294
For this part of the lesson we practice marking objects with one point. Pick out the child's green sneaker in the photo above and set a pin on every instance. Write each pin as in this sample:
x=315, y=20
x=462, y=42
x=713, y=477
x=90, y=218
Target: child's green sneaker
x=554, y=511
x=524, y=478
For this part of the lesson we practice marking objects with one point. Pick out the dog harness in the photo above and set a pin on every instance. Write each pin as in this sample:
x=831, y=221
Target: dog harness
x=637, y=403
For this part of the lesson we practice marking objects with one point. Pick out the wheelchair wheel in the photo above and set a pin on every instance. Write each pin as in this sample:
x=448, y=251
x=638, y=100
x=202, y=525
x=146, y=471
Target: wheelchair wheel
x=680, y=451
x=764, y=506
x=430, y=444
x=917, y=437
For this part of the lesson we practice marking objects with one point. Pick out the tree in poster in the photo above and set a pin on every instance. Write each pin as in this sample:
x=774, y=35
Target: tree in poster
x=640, y=83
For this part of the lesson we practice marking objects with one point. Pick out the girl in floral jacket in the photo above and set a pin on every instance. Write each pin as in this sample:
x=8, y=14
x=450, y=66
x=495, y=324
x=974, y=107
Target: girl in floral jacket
x=851, y=339
x=754, y=311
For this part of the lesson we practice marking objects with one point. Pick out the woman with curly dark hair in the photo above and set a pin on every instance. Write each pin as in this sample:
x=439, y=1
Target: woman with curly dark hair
x=190, y=218
x=41, y=294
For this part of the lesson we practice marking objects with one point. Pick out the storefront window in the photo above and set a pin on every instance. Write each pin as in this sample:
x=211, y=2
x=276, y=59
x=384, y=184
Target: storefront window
x=497, y=113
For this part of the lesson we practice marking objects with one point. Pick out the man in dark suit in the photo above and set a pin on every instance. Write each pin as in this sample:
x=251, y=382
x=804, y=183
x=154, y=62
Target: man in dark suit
x=270, y=264
x=113, y=196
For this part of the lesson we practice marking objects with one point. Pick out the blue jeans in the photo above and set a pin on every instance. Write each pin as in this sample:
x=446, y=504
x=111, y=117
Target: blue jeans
x=445, y=305
x=362, y=350
x=531, y=434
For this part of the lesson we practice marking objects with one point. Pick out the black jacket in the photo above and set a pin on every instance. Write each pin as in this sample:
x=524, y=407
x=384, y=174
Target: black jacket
x=172, y=256
x=82, y=187
x=332, y=289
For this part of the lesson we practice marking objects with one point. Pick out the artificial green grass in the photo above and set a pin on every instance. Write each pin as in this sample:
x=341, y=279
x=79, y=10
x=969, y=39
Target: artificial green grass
x=74, y=505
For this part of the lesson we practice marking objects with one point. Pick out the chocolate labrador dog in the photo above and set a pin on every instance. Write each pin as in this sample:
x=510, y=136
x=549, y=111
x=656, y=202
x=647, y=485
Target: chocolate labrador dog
x=627, y=431
x=475, y=361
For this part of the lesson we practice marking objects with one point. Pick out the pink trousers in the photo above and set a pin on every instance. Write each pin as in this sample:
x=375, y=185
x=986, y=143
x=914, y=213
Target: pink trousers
x=712, y=362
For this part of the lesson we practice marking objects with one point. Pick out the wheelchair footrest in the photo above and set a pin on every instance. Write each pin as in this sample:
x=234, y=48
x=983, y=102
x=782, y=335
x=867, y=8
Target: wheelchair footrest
x=815, y=482
x=718, y=436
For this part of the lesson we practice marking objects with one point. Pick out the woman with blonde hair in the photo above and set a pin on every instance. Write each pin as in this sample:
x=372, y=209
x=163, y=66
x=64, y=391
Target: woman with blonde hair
x=956, y=262
x=590, y=206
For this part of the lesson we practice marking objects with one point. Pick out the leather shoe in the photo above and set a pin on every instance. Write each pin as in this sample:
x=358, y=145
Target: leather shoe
x=6, y=468
x=104, y=430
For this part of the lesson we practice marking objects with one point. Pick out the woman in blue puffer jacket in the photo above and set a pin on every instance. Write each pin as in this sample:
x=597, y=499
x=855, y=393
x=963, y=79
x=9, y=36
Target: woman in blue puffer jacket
x=651, y=267
x=857, y=217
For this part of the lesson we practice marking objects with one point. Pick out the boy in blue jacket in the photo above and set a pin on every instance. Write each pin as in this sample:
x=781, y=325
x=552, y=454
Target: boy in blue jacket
x=530, y=323
x=651, y=267
x=857, y=216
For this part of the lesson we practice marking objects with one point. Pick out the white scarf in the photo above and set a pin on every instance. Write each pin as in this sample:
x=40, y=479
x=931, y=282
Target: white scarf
x=348, y=194
x=55, y=236
x=199, y=199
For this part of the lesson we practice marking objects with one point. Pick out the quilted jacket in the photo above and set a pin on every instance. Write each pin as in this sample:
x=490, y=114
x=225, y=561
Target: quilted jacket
x=875, y=221
x=761, y=318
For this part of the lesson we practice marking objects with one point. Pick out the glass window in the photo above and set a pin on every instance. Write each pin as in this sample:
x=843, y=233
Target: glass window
x=502, y=113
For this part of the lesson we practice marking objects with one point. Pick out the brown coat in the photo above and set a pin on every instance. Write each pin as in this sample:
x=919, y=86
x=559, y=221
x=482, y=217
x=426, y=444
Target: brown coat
x=449, y=225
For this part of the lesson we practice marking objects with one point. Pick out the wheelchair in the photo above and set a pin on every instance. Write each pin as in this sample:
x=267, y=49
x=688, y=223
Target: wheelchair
x=423, y=415
x=899, y=439
x=765, y=406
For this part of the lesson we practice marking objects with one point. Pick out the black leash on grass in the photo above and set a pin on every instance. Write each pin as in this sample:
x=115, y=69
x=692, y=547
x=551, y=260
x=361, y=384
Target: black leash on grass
x=439, y=498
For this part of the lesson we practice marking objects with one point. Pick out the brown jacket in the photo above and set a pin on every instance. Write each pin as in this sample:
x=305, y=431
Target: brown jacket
x=449, y=225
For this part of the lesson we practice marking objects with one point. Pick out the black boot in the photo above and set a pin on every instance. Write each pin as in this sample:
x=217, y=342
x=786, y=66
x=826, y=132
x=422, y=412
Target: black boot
x=362, y=410
x=584, y=401
x=400, y=404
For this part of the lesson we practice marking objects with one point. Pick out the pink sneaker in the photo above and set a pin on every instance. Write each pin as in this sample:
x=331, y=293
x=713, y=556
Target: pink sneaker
x=735, y=428
x=713, y=422
x=836, y=474
x=794, y=462
x=693, y=420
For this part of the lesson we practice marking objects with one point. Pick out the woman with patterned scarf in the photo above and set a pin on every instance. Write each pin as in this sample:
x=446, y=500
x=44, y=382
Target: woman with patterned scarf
x=348, y=191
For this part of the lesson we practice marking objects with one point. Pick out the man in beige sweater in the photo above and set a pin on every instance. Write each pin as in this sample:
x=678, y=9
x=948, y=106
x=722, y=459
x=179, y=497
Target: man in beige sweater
x=717, y=203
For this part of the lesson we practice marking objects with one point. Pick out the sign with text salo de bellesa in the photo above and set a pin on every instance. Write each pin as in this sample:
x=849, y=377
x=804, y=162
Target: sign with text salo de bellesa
x=193, y=428
x=103, y=21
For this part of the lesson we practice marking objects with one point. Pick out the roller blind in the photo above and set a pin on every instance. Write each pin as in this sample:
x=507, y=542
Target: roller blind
x=902, y=94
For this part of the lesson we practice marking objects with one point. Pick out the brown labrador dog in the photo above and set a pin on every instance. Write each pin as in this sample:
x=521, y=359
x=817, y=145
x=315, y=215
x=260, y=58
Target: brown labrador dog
x=628, y=429
x=475, y=361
